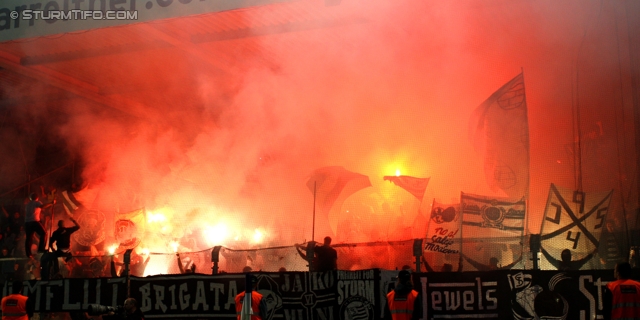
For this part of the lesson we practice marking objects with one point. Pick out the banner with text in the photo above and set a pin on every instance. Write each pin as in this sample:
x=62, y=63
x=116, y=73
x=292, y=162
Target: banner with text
x=340, y=295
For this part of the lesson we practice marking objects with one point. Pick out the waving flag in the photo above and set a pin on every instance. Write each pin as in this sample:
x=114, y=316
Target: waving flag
x=130, y=228
x=499, y=128
x=492, y=217
x=443, y=232
x=493, y=227
x=91, y=231
x=333, y=185
x=69, y=202
x=415, y=186
x=573, y=220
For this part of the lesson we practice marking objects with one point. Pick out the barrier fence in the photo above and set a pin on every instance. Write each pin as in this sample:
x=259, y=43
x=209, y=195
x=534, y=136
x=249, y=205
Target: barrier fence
x=344, y=295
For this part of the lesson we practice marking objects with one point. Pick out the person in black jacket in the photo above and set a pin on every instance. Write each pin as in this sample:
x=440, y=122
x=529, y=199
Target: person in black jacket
x=136, y=267
x=130, y=311
x=325, y=258
x=62, y=239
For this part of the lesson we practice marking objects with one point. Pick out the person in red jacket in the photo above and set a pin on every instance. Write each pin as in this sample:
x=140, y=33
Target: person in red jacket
x=623, y=295
x=16, y=306
x=258, y=305
x=403, y=303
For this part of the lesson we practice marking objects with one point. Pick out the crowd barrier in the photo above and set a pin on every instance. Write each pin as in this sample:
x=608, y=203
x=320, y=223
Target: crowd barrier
x=343, y=295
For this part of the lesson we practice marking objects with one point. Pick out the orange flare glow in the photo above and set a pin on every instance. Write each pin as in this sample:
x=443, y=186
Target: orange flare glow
x=258, y=236
x=217, y=234
x=155, y=217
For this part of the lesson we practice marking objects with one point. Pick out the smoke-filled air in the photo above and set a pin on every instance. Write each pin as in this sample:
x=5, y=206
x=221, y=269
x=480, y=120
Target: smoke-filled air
x=228, y=156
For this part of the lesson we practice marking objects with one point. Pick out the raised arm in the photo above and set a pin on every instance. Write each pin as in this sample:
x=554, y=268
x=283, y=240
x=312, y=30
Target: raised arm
x=579, y=263
x=512, y=264
x=180, y=263
x=299, y=248
x=426, y=264
x=555, y=262
x=114, y=272
x=146, y=261
x=476, y=264
x=76, y=226
x=49, y=204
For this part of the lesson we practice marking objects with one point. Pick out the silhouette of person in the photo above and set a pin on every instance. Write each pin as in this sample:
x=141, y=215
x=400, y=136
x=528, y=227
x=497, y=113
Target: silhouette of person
x=136, y=266
x=62, y=239
x=493, y=264
x=566, y=263
x=325, y=257
x=187, y=267
x=131, y=311
x=447, y=267
x=32, y=223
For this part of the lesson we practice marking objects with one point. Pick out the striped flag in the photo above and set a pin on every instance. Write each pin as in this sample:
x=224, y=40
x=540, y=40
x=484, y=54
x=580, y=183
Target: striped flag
x=492, y=229
x=69, y=202
x=491, y=217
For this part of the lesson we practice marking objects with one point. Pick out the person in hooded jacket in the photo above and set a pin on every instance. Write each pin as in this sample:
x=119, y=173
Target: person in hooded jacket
x=403, y=303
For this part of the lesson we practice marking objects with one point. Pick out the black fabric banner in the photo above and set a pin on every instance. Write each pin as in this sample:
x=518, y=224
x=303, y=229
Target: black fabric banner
x=339, y=295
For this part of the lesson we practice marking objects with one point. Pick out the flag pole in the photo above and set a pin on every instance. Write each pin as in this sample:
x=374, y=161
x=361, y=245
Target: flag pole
x=460, y=216
x=313, y=226
x=246, y=311
x=526, y=193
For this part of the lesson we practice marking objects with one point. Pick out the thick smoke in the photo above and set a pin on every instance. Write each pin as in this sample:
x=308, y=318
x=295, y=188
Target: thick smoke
x=391, y=89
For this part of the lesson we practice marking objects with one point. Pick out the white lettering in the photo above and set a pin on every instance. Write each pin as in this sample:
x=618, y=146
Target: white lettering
x=74, y=14
x=66, y=304
x=588, y=295
x=467, y=298
x=233, y=292
x=480, y=307
x=423, y=281
x=172, y=289
x=436, y=300
x=184, y=298
x=159, y=290
x=452, y=302
x=50, y=294
x=200, y=297
x=145, y=301
x=98, y=287
x=492, y=299
x=217, y=288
